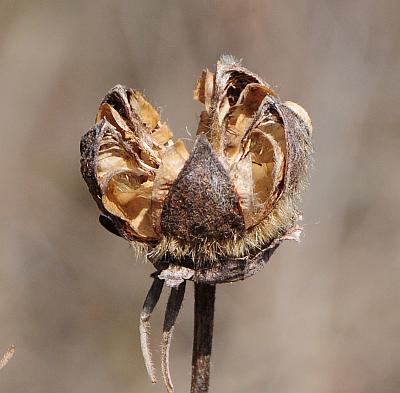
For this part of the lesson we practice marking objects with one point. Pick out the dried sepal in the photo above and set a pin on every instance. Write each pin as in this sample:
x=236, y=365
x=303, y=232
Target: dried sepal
x=144, y=325
x=171, y=314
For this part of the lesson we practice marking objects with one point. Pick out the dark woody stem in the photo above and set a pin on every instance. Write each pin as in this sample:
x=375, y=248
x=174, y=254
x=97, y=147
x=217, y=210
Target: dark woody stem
x=204, y=301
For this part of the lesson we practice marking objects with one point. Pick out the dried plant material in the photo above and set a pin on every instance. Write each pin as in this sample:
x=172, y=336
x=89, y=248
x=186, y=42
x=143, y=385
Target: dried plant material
x=213, y=215
x=175, y=275
x=204, y=303
x=186, y=211
x=173, y=160
x=171, y=313
x=120, y=156
x=232, y=196
x=7, y=356
x=144, y=326
x=264, y=147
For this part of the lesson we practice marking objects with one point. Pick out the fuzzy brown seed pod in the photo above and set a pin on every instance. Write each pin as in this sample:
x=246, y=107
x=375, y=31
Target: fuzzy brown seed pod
x=212, y=216
x=234, y=195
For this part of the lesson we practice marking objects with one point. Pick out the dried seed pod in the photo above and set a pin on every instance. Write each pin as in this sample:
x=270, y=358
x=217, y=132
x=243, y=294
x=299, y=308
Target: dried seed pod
x=233, y=195
x=212, y=216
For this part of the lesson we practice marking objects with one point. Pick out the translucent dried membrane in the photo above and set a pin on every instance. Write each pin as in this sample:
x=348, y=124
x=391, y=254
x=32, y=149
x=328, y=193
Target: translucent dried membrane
x=263, y=145
x=129, y=154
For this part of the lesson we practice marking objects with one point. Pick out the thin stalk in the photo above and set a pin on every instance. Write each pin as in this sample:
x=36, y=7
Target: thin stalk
x=204, y=302
x=171, y=313
x=144, y=326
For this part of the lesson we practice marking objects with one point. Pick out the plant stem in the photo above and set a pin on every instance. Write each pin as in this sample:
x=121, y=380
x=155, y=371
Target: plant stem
x=204, y=301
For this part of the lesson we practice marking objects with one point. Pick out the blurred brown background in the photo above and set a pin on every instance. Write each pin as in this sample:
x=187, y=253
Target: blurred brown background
x=322, y=317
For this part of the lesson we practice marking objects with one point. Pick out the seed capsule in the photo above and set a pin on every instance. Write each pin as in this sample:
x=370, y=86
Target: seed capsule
x=212, y=216
x=233, y=196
